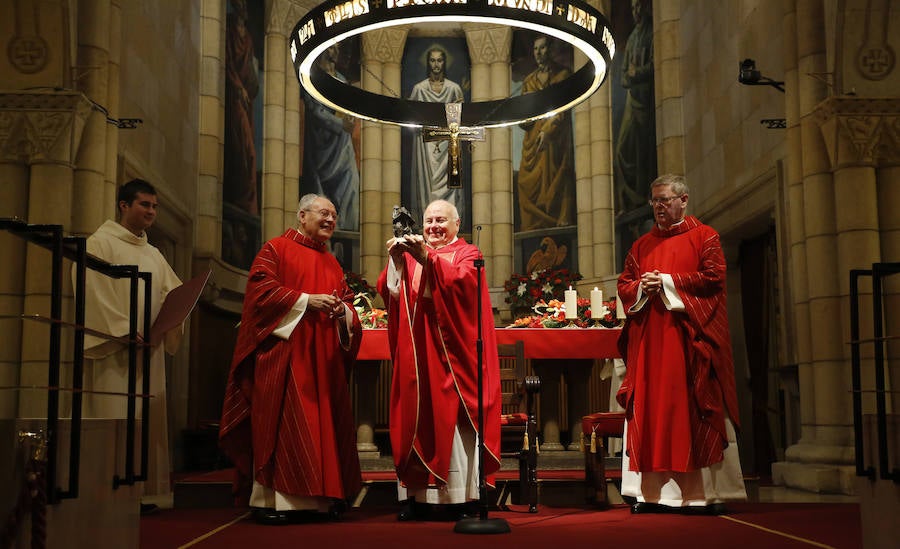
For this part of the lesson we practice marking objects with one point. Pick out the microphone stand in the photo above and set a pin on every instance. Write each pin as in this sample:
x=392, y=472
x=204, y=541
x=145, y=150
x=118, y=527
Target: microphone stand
x=482, y=524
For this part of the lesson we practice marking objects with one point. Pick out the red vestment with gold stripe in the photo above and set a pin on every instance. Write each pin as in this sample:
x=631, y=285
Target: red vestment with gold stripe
x=287, y=410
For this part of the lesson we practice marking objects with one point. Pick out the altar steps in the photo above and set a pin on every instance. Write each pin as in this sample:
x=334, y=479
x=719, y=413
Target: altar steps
x=560, y=483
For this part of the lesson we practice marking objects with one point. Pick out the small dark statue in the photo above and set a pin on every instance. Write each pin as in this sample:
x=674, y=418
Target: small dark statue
x=402, y=221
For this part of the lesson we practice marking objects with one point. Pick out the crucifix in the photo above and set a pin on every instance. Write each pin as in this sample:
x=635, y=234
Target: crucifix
x=454, y=133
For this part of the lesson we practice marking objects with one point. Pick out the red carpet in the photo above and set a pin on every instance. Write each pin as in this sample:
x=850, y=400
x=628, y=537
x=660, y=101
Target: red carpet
x=770, y=525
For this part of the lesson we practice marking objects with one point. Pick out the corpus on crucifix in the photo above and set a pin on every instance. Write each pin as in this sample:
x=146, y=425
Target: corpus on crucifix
x=454, y=133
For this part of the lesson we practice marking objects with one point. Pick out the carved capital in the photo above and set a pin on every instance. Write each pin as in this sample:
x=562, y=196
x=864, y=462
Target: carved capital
x=860, y=131
x=488, y=43
x=384, y=45
x=41, y=126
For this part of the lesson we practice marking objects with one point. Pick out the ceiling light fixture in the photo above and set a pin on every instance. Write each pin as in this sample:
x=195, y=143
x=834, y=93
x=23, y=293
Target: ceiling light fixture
x=572, y=21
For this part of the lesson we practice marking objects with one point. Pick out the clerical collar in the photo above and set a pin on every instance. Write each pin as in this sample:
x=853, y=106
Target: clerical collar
x=672, y=226
x=301, y=238
x=455, y=238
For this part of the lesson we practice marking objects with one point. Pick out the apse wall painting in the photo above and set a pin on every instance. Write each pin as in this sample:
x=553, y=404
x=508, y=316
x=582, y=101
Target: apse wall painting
x=330, y=149
x=244, y=57
x=543, y=158
x=633, y=119
x=434, y=70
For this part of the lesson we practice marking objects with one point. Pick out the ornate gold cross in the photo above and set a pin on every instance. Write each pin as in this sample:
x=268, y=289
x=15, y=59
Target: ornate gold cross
x=454, y=133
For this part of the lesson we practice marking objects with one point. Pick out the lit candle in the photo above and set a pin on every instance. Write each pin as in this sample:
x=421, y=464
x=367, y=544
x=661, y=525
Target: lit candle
x=597, y=303
x=571, y=303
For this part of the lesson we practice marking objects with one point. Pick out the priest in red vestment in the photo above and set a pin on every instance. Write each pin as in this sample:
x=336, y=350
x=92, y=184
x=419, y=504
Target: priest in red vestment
x=679, y=389
x=287, y=422
x=430, y=288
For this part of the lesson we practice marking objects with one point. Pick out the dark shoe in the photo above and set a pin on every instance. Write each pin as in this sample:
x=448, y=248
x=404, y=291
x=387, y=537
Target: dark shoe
x=148, y=509
x=642, y=507
x=271, y=517
x=412, y=510
x=336, y=511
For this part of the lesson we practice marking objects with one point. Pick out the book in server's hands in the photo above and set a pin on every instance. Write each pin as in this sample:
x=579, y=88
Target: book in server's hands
x=177, y=306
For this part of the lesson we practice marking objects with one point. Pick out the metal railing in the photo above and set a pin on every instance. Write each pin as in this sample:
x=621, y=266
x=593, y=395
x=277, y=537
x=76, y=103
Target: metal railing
x=878, y=272
x=74, y=248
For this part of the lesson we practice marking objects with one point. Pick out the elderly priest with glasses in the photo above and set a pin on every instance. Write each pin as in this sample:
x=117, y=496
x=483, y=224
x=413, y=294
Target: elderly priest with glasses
x=679, y=391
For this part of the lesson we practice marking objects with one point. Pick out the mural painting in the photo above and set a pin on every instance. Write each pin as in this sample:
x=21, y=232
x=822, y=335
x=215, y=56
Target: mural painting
x=543, y=159
x=435, y=70
x=634, y=121
x=243, y=136
x=330, y=148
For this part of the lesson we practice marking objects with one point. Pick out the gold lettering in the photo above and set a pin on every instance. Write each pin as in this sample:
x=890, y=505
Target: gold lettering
x=609, y=42
x=347, y=10
x=306, y=32
x=391, y=4
x=581, y=18
x=536, y=6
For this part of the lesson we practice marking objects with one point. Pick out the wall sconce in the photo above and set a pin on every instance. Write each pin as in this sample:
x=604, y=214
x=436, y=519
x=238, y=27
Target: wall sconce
x=750, y=76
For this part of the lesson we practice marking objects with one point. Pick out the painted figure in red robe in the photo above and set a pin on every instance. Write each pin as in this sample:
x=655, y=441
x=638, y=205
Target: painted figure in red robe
x=679, y=389
x=287, y=422
x=429, y=287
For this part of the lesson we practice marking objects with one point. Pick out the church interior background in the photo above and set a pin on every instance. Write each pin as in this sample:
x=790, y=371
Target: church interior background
x=802, y=182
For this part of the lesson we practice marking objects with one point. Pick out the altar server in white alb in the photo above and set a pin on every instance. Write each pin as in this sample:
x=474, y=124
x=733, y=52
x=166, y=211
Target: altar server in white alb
x=124, y=242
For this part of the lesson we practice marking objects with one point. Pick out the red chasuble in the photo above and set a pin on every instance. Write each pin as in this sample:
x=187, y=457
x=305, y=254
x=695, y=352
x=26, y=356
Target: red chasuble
x=435, y=375
x=679, y=381
x=287, y=410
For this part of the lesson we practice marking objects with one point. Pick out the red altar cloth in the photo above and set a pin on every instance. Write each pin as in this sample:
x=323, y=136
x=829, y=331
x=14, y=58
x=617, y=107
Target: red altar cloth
x=539, y=342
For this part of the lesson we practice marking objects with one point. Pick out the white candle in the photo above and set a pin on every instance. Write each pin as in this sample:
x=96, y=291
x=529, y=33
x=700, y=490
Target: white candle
x=597, y=303
x=571, y=303
x=620, y=309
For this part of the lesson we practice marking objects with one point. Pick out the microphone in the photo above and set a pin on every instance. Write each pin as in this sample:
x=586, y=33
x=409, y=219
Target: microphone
x=477, y=235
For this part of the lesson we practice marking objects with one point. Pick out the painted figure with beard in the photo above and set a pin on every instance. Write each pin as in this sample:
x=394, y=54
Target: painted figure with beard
x=679, y=392
x=431, y=160
x=546, y=178
x=329, y=159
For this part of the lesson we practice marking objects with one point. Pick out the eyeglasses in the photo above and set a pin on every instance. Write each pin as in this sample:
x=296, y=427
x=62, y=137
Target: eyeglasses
x=664, y=200
x=324, y=214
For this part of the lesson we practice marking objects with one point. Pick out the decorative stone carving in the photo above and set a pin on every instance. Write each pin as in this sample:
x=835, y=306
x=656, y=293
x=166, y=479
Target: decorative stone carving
x=488, y=44
x=384, y=45
x=860, y=131
x=41, y=126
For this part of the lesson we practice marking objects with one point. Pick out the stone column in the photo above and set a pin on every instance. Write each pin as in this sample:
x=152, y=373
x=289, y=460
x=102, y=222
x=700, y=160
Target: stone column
x=821, y=460
x=96, y=203
x=49, y=131
x=380, y=173
x=382, y=51
x=14, y=200
x=211, y=140
x=489, y=50
x=293, y=160
x=889, y=224
x=275, y=212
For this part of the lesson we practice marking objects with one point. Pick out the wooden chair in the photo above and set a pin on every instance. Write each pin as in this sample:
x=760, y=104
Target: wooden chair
x=595, y=429
x=518, y=425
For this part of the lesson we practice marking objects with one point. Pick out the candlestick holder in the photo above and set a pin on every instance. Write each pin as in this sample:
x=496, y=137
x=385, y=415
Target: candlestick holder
x=597, y=321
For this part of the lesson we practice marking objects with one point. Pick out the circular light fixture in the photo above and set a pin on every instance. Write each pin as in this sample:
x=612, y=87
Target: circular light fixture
x=333, y=21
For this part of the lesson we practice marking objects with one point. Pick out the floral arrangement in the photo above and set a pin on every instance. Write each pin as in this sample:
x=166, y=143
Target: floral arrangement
x=552, y=314
x=523, y=292
x=364, y=294
x=369, y=315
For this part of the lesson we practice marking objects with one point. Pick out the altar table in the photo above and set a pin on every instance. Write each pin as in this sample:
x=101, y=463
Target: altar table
x=553, y=350
x=540, y=343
